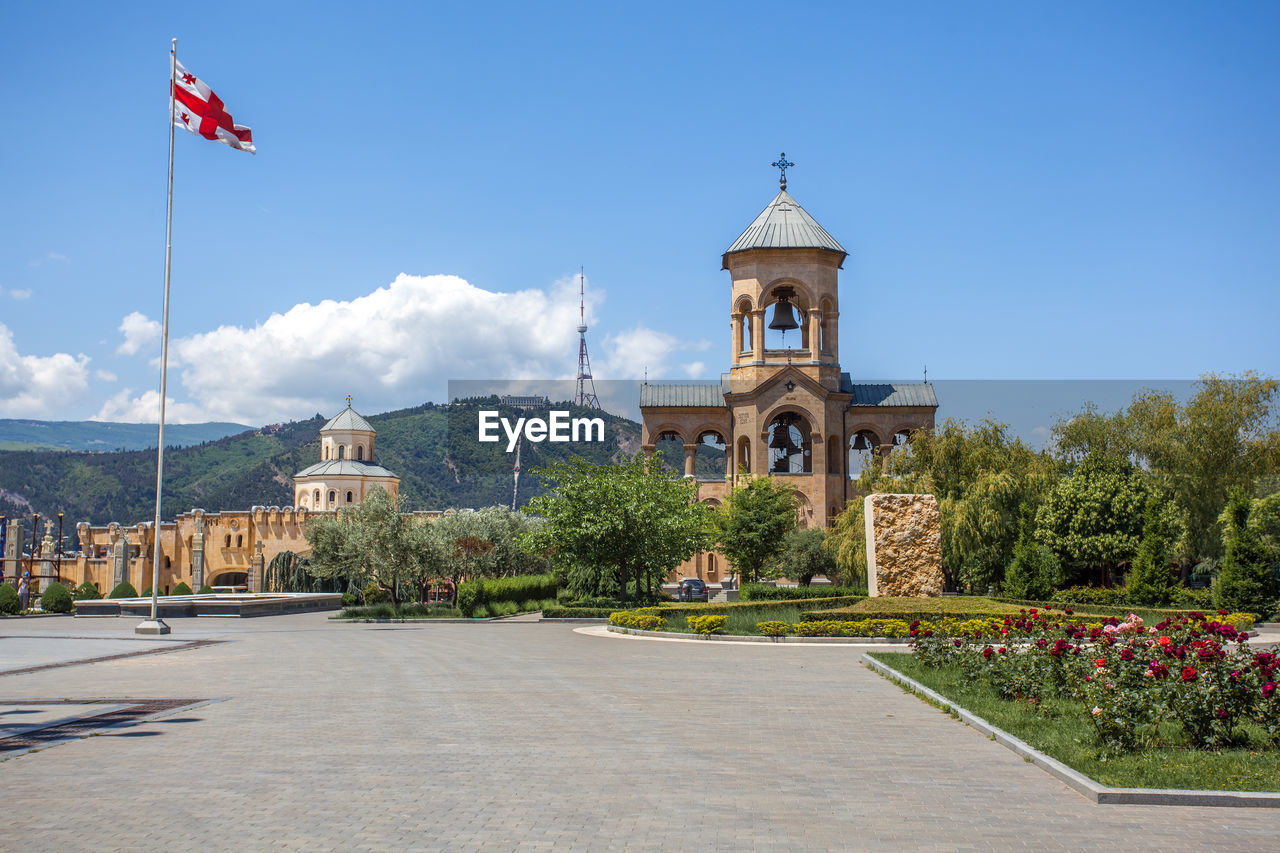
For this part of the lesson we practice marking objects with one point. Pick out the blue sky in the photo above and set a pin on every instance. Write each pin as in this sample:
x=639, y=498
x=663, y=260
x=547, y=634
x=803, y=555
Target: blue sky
x=1027, y=191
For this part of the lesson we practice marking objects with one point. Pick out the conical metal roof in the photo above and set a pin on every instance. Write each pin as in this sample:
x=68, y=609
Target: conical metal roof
x=784, y=224
x=347, y=419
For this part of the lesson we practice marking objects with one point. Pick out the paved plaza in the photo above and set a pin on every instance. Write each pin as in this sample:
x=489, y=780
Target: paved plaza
x=526, y=736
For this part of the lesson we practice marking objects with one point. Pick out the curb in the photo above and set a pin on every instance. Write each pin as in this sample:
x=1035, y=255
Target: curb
x=1092, y=790
x=745, y=638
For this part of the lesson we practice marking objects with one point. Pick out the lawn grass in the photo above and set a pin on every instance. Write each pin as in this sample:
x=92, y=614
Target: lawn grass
x=1062, y=729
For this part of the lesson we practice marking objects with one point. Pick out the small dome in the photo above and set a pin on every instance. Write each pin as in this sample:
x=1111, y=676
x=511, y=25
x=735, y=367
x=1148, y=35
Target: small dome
x=784, y=224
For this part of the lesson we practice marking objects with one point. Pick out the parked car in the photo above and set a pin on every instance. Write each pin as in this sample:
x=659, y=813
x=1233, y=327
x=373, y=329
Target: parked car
x=692, y=589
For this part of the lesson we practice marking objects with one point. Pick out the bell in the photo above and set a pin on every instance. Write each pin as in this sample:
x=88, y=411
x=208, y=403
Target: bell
x=860, y=442
x=782, y=439
x=783, y=318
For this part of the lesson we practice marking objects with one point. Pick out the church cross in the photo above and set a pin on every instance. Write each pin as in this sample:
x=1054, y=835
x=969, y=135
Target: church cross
x=782, y=164
x=348, y=401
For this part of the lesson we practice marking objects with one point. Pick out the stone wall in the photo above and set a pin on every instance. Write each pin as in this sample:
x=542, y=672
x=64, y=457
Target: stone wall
x=904, y=545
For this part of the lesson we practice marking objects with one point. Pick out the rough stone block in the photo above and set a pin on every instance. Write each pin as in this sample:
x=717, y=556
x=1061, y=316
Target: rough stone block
x=904, y=545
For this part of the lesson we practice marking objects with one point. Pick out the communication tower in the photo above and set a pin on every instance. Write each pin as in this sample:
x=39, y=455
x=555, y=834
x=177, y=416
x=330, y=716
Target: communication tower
x=586, y=391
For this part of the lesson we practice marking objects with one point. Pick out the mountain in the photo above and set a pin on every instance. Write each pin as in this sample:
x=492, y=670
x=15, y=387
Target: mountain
x=101, y=435
x=433, y=448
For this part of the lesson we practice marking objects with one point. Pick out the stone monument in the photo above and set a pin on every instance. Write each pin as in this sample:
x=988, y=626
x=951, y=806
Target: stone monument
x=904, y=545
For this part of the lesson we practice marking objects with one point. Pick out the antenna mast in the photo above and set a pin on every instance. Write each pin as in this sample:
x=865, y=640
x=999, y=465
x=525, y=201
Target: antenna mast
x=515, y=489
x=586, y=391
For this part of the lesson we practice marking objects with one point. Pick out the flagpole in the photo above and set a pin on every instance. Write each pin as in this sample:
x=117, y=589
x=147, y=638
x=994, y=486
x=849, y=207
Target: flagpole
x=155, y=625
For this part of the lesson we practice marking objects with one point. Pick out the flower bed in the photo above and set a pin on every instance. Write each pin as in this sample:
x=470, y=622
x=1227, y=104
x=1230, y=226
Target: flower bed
x=1190, y=682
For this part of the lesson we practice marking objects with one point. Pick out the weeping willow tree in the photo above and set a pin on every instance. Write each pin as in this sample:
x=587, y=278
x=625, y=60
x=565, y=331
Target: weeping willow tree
x=287, y=572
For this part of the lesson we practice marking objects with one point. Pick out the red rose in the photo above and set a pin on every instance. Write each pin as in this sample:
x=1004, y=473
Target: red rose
x=1100, y=662
x=1268, y=689
x=986, y=653
x=1188, y=673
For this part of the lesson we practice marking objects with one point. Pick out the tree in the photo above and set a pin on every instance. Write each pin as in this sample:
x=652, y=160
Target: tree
x=1246, y=580
x=987, y=485
x=805, y=555
x=607, y=526
x=1149, y=581
x=1034, y=574
x=1093, y=519
x=372, y=542
x=753, y=523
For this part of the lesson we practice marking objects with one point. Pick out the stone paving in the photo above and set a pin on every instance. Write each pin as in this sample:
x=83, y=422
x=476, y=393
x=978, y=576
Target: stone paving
x=531, y=736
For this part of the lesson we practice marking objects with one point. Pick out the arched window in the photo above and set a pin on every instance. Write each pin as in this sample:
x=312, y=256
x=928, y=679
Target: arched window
x=863, y=447
x=228, y=543
x=240, y=541
x=360, y=453
x=333, y=496
x=342, y=451
x=348, y=497
x=790, y=446
x=744, y=454
x=710, y=455
x=711, y=564
x=326, y=452
x=167, y=564
x=317, y=498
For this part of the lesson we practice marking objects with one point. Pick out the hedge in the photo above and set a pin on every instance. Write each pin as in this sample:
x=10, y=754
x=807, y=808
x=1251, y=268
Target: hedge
x=911, y=609
x=206, y=590
x=482, y=592
x=765, y=592
x=577, y=612
x=722, y=607
x=56, y=598
x=124, y=590
x=182, y=589
x=86, y=592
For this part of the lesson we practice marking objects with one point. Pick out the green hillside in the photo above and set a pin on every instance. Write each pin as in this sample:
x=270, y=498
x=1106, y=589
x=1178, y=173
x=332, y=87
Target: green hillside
x=251, y=468
x=18, y=434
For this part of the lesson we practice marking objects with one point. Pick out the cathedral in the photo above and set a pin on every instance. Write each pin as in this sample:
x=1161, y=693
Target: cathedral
x=785, y=408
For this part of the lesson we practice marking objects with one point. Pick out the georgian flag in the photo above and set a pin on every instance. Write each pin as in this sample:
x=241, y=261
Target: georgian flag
x=200, y=111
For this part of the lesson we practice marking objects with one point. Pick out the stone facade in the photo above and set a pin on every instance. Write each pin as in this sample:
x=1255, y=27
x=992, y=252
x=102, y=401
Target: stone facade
x=233, y=548
x=904, y=545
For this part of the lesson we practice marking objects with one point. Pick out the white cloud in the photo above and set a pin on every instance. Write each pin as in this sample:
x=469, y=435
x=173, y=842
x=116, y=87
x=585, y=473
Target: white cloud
x=49, y=256
x=695, y=369
x=138, y=332
x=628, y=354
x=146, y=409
x=33, y=386
x=397, y=346
x=20, y=294
x=105, y=375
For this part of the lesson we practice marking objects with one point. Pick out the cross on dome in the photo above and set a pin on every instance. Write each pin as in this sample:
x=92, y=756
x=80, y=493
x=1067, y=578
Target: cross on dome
x=348, y=401
x=782, y=164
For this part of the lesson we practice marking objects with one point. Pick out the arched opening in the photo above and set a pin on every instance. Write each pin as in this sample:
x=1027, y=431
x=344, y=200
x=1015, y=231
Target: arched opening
x=326, y=453
x=833, y=455
x=333, y=496
x=317, y=496
x=240, y=540
x=864, y=446
x=790, y=447
x=901, y=437
x=671, y=445
x=786, y=328
x=348, y=497
x=228, y=542
x=167, y=564
x=711, y=564
x=342, y=451
x=360, y=453
x=743, y=460
x=744, y=345
x=709, y=459
x=232, y=579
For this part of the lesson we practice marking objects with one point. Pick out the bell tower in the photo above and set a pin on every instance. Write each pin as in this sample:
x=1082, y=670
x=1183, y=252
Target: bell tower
x=784, y=270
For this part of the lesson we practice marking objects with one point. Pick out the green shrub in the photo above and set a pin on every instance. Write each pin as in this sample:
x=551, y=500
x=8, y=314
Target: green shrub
x=503, y=608
x=765, y=592
x=349, y=599
x=1246, y=579
x=864, y=628
x=773, y=628
x=1089, y=595
x=146, y=593
x=208, y=590
x=56, y=599
x=577, y=612
x=481, y=611
x=374, y=594
x=1193, y=599
x=637, y=619
x=86, y=592
x=124, y=590
x=706, y=625
x=516, y=589
x=1034, y=572
x=10, y=605
x=182, y=589
x=469, y=597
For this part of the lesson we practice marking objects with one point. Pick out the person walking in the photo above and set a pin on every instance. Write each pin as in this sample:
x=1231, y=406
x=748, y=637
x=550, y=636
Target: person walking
x=24, y=589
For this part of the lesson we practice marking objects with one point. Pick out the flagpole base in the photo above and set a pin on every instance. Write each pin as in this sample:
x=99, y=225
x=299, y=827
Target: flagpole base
x=152, y=627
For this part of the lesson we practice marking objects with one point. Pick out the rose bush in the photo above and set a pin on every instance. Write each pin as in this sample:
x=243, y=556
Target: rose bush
x=1134, y=681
